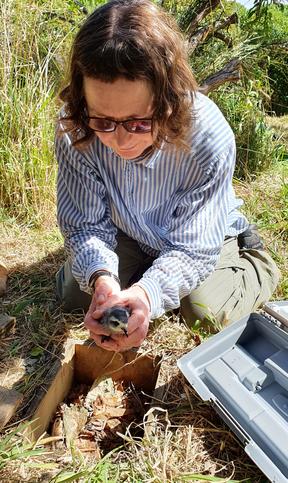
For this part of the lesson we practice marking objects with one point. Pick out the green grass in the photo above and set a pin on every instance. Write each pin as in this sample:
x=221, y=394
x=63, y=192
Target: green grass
x=32, y=42
x=259, y=145
x=12, y=448
x=266, y=204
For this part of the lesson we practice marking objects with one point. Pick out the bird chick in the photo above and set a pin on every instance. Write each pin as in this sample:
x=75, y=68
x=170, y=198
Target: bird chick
x=115, y=320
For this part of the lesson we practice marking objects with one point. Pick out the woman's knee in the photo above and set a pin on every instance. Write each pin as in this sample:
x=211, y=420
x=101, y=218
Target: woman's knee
x=207, y=312
x=267, y=272
x=231, y=293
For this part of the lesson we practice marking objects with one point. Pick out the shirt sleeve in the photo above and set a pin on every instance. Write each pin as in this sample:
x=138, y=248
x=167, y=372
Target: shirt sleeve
x=83, y=214
x=193, y=242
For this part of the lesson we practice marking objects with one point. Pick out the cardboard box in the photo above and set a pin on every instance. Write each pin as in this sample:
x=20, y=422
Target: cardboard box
x=85, y=362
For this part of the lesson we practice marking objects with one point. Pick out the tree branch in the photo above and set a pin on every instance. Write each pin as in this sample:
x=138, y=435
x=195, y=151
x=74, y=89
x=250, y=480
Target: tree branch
x=205, y=32
x=203, y=10
x=199, y=37
x=233, y=19
x=227, y=40
x=231, y=72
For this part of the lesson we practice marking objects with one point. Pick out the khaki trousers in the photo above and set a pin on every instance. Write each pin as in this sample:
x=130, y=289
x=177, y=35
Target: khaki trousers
x=241, y=282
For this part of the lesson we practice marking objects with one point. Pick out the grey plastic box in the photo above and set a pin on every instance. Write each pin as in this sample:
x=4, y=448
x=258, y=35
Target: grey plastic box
x=243, y=372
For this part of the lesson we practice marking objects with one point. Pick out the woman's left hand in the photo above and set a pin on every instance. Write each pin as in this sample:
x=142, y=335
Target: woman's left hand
x=137, y=301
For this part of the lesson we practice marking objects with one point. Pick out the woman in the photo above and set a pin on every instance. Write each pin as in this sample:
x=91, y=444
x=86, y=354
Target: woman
x=145, y=197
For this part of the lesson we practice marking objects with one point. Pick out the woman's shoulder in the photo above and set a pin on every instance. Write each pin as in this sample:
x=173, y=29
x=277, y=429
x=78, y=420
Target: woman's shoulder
x=205, y=112
x=209, y=128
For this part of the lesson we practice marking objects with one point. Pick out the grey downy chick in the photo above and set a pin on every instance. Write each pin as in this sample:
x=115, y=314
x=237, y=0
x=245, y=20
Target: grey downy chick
x=115, y=320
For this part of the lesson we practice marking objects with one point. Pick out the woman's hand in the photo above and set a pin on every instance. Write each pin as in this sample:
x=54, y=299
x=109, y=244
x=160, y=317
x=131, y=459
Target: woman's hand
x=107, y=296
x=104, y=288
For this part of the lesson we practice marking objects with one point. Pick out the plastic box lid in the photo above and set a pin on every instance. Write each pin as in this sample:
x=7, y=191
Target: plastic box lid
x=243, y=372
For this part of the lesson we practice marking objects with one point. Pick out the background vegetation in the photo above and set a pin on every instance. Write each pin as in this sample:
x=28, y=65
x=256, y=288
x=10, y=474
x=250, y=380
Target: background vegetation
x=35, y=37
x=35, y=40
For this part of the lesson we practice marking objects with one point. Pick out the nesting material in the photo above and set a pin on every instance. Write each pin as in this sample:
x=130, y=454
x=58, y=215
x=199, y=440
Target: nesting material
x=9, y=402
x=94, y=395
x=91, y=420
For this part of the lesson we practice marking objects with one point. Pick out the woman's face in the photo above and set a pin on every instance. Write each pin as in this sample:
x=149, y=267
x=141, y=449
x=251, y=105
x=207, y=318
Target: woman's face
x=121, y=100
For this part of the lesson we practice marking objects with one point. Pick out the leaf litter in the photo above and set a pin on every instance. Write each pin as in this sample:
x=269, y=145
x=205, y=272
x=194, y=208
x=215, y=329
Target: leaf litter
x=92, y=419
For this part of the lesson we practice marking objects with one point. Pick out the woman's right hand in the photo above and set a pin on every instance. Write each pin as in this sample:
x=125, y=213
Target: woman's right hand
x=104, y=288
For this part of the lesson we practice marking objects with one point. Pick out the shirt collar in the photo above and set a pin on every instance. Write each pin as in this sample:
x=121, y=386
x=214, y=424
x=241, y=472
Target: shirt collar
x=149, y=159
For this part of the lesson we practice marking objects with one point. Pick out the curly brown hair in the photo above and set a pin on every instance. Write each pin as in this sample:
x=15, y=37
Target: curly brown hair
x=132, y=39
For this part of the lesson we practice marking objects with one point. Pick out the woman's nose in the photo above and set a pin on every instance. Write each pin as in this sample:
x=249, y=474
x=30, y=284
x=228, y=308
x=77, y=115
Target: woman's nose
x=122, y=136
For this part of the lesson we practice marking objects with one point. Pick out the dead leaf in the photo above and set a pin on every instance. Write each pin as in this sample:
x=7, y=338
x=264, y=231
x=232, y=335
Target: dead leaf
x=113, y=423
x=89, y=446
x=7, y=325
x=74, y=420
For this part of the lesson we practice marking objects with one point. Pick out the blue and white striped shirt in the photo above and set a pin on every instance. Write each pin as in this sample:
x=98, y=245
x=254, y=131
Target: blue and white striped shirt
x=178, y=205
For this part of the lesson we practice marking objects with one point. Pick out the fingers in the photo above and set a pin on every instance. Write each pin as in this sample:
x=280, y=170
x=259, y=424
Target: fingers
x=110, y=345
x=119, y=342
x=136, y=319
x=136, y=338
x=138, y=322
x=93, y=326
x=112, y=301
x=104, y=288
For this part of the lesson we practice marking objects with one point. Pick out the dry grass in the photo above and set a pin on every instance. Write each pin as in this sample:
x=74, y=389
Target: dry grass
x=188, y=437
x=280, y=125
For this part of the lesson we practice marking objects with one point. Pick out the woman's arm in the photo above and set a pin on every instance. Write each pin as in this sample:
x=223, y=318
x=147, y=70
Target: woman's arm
x=83, y=214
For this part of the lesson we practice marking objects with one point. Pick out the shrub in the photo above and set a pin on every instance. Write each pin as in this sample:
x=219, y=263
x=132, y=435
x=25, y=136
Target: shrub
x=257, y=145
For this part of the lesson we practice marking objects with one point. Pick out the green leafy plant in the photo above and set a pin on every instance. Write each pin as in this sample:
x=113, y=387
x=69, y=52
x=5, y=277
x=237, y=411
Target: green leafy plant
x=13, y=447
x=257, y=148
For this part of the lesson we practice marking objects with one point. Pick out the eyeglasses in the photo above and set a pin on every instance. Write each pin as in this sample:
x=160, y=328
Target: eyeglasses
x=135, y=126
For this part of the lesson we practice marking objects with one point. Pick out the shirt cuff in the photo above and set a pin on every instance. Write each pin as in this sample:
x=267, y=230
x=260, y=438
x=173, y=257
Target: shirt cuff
x=154, y=294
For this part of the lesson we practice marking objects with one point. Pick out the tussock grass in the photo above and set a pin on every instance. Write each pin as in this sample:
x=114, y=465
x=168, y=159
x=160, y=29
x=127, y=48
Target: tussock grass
x=30, y=63
x=259, y=146
x=266, y=204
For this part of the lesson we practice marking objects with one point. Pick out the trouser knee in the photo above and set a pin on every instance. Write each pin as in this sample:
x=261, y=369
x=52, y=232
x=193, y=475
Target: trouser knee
x=240, y=284
x=68, y=291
